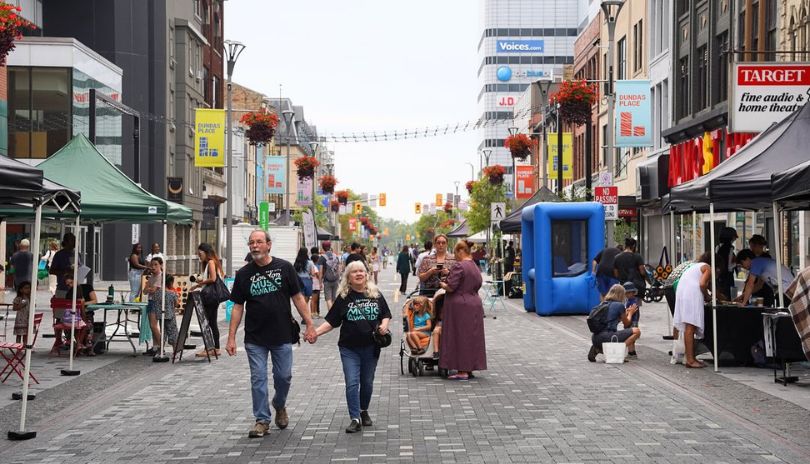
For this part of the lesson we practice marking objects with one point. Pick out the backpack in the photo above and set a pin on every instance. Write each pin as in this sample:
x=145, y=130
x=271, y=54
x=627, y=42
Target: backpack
x=331, y=272
x=597, y=319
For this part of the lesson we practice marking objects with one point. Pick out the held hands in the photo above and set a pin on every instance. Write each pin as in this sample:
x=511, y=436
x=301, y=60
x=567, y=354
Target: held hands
x=310, y=335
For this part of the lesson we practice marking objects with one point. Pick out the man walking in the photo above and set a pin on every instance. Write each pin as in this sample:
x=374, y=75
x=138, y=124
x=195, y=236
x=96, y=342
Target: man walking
x=265, y=287
x=603, y=269
x=355, y=254
x=21, y=262
x=630, y=267
x=329, y=264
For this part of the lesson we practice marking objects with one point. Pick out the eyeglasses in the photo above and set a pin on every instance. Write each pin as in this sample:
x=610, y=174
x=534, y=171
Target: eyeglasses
x=256, y=242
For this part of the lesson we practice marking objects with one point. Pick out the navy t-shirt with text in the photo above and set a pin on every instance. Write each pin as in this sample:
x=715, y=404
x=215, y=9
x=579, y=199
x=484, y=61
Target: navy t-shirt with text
x=266, y=291
x=357, y=316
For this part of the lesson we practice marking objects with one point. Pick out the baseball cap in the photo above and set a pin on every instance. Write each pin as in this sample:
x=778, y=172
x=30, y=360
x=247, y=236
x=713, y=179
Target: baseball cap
x=629, y=287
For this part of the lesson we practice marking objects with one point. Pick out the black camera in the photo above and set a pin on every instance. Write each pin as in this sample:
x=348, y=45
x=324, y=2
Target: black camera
x=194, y=278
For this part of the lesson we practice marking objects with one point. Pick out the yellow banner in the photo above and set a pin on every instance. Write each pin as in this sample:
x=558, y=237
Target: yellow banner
x=209, y=138
x=568, y=156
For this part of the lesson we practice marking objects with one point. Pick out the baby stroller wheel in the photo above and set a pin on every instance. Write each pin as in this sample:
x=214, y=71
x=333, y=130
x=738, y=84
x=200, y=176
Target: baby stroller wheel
x=402, y=361
x=442, y=372
x=412, y=366
x=648, y=296
x=420, y=368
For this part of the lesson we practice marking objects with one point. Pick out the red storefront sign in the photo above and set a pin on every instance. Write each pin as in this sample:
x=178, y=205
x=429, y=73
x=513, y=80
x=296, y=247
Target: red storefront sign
x=628, y=212
x=524, y=182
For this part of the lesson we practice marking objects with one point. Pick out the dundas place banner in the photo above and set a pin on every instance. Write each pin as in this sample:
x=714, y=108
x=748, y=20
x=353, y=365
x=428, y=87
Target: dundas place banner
x=766, y=93
x=524, y=182
x=276, y=169
x=209, y=138
x=633, y=114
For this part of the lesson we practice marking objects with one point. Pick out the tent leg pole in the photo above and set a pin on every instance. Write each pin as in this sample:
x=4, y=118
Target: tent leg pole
x=162, y=356
x=715, y=354
x=777, y=230
x=694, y=236
x=69, y=371
x=22, y=434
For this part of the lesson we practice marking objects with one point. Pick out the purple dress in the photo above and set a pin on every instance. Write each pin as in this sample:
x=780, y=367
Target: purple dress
x=463, y=347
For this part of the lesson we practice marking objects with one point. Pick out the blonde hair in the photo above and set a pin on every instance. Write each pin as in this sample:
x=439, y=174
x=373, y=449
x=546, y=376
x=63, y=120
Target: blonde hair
x=424, y=302
x=616, y=293
x=371, y=290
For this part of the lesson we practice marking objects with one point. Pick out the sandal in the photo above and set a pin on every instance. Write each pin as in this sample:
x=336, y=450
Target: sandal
x=458, y=377
x=697, y=365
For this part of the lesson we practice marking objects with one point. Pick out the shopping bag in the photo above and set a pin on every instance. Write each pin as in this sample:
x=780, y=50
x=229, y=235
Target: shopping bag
x=678, y=350
x=614, y=351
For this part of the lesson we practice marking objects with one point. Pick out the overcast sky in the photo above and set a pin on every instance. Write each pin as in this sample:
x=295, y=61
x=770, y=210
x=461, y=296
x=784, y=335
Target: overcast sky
x=364, y=65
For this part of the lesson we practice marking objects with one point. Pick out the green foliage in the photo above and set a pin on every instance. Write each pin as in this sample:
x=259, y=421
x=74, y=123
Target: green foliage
x=483, y=194
x=623, y=230
x=430, y=225
x=321, y=216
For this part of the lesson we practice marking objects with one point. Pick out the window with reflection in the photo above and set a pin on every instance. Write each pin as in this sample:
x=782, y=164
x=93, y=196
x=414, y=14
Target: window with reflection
x=569, y=248
x=39, y=111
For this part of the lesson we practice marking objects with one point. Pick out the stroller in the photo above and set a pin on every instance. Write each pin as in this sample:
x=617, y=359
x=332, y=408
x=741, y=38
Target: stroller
x=655, y=291
x=422, y=359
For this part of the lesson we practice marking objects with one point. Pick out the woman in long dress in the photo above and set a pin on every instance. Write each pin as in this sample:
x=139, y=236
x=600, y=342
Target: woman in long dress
x=463, y=346
x=690, y=297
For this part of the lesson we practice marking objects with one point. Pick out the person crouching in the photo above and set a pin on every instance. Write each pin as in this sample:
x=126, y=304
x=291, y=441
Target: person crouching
x=616, y=313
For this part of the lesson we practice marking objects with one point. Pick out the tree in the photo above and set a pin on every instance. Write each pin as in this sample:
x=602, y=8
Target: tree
x=430, y=225
x=483, y=194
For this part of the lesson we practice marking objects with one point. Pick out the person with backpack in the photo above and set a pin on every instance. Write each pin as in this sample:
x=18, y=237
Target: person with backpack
x=604, y=319
x=329, y=265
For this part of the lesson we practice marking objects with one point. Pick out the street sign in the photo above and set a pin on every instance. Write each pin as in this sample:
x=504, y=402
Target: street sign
x=272, y=206
x=497, y=211
x=264, y=215
x=605, y=178
x=609, y=197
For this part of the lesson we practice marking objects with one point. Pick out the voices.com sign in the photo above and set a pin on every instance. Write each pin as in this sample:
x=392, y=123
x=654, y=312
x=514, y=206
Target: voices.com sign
x=519, y=46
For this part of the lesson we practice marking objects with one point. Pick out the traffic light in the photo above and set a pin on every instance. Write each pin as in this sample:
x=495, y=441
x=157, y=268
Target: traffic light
x=358, y=208
x=382, y=199
x=418, y=208
x=439, y=199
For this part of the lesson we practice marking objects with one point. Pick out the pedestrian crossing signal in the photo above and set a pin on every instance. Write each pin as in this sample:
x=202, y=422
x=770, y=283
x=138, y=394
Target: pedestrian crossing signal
x=382, y=199
x=418, y=208
x=358, y=208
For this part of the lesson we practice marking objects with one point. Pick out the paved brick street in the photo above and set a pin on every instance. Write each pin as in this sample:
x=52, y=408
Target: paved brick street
x=541, y=401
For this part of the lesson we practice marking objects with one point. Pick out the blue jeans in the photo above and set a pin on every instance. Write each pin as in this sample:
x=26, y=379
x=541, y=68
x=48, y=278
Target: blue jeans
x=134, y=283
x=282, y=358
x=359, y=365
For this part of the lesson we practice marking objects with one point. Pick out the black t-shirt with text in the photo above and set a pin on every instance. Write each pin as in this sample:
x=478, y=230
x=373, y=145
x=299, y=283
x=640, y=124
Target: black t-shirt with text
x=627, y=265
x=266, y=291
x=357, y=316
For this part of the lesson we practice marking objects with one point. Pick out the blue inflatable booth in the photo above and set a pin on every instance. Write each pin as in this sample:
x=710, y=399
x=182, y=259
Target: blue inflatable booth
x=559, y=242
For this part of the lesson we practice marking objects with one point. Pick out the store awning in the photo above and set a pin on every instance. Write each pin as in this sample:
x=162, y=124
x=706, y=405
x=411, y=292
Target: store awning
x=743, y=182
x=511, y=224
x=460, y=231
x=108, y=195
x=21, y=185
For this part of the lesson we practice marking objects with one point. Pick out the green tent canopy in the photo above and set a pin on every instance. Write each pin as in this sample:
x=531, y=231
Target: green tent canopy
x=108, y=195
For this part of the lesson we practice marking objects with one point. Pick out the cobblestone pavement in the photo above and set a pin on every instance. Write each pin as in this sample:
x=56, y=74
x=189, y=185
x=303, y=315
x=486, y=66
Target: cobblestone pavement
x=541, y=401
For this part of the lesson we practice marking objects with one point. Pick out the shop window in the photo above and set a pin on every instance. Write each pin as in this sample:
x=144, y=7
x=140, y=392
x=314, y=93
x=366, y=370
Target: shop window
x=569, y=242
x=39, y=111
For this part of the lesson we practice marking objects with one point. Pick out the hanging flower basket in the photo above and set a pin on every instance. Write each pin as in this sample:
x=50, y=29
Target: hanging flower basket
x=575, y=98
x=261, y=126
x=328, y=184
x=342, y=196
x=305, y=166
x=447, y=223
x=448, y=207
x=470, y=184
x=334, y=205
x=520, y=145
x=11, y=28
x=495, y=174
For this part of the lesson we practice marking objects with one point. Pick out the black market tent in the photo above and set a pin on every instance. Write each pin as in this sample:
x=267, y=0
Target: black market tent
x=25, y=189
x=325, y=234
x=108, y=195
x=512, y=223
x=791, y=188
x=460, y=231
x=743, y=182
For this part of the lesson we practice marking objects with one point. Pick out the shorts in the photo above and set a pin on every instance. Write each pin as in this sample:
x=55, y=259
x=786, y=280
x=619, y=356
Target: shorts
x=602, y=337
x=603, y=283
x=330, y=290
x=307, y=290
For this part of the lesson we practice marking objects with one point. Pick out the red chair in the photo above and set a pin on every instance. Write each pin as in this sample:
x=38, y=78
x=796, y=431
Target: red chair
x=16, y=357
x=58, y=306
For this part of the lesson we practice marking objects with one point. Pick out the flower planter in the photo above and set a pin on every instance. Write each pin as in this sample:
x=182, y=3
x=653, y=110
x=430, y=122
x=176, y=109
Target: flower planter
x=520, y=145
x=305, y=166
x=334, y=205
x=470, y=184
x=575, y=99
x=495, y=174
x=261, y=127
x=11, y=27
x=328, y=184
x=342, y=196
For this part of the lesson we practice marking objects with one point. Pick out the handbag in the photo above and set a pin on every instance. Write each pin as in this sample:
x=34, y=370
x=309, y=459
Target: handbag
x=215, y=293
x=381, y=340
x=296, y=330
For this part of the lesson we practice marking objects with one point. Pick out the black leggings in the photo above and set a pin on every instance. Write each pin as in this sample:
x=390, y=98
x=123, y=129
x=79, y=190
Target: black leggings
x=403, y=287
x=211, y=315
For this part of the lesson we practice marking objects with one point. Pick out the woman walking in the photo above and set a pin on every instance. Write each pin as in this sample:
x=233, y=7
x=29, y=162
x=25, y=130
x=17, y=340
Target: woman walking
x=463, y=345
x=435, y=268
x=359, y=311
x=404, y=268
x=306, y=271
x=137, y=265
x=374, y=262
x=315, y=301
x=53, y=247
x=691, y=295
x=212, y=268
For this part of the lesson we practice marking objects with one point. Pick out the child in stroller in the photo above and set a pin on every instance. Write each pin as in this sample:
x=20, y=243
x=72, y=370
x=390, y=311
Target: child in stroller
x=421, y=323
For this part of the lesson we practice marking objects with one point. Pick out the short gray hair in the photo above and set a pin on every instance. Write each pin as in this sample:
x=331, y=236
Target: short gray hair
x=266, y=235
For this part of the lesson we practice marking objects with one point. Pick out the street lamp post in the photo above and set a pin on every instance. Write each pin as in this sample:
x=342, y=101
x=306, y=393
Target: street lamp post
x=545, y=87
x=559, y=151
x=232, y=51
x=611, y=8
x=486, y=152
x=313, y=145
x=512, y=132
x=472, y=171
x=288, y=118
